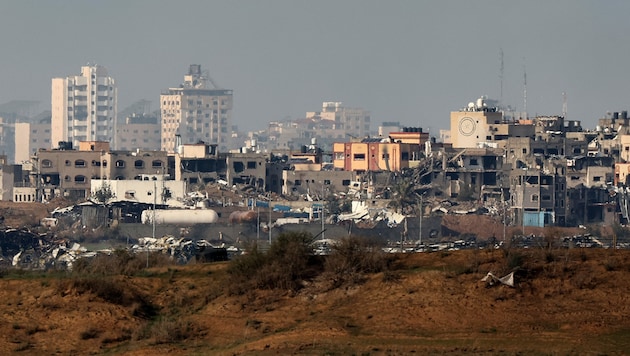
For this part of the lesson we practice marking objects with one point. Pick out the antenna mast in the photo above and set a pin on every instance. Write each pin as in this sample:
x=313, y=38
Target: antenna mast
x=525, y=90
x=564, y=105
x=501, y=77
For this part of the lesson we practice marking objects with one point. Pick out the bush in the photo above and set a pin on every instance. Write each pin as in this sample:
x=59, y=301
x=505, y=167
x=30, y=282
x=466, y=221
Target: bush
x=89, y=333
x=351, y=258
x=284, y=266
x=110, y=290
x=514, y=259
x=120, y=262
x=167, y=330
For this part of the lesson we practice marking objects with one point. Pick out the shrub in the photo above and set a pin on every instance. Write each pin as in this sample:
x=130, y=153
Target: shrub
x=89, y=333
x=352, y=257
x=514, y=259
x=120, y=262
x=111, y=291
x=284, y=266
x=166, y=331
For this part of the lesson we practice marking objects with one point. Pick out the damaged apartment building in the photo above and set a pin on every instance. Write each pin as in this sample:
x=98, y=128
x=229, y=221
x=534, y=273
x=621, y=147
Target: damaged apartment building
x=201, y=163
x=546, y=170
x=551, y=174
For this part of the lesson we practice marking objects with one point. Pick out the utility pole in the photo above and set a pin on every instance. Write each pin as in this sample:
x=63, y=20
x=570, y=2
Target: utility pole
x=420, y=221
x=322, y=213
x=523, y=201
x=504, y=212
x=153, y=222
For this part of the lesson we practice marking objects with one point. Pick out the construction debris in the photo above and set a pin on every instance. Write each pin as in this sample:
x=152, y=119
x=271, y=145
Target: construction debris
x=492, y=280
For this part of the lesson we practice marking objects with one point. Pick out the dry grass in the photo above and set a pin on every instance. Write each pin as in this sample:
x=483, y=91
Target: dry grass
x=572, y=302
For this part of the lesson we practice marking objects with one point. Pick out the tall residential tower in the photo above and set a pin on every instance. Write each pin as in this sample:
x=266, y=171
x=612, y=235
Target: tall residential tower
x=194, y=112
x=84, y=107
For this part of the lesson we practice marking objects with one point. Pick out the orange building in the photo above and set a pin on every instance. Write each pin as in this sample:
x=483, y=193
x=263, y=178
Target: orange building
x=372, y=155
x=410, y=135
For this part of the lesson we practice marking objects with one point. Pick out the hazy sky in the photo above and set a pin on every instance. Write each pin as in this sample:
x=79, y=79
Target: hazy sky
x=409, y=61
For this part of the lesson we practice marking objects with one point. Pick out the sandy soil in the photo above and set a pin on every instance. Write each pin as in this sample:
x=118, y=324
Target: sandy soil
x=565, y=302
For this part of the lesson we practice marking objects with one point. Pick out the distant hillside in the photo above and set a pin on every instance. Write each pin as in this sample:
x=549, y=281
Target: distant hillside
x=564, y=302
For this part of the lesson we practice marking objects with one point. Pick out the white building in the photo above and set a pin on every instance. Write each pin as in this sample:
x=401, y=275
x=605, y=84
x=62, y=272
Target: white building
x=84, y=107
x=151, y=189
x=195, y=112
x=29, y=138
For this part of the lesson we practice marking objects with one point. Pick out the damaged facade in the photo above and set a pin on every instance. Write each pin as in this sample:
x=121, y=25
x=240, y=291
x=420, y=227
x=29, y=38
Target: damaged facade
x=547, y=170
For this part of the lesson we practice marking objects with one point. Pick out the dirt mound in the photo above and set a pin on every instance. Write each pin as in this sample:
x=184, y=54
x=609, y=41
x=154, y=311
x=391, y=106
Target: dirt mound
x=24, y=214
x=565, y=302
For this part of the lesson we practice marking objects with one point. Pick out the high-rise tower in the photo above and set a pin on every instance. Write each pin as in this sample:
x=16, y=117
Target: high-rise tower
x=195, y=112
x=84, y=107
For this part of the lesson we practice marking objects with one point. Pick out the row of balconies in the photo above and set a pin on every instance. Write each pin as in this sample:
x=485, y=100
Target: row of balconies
x=81, y=163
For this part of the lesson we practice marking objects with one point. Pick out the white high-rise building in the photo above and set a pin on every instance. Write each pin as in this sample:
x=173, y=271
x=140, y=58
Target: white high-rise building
x=84, y=107
x=193, y=112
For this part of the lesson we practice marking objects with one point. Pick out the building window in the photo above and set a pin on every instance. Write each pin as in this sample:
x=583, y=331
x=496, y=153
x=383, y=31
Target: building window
x=139, y=164
x=359, y=156
x=120, y=164
x=47, y=163
x=474, y=162
x=156, y=164
x=251, y=164
x=79, y=163
x=68, y=163
x=297, y=182
x=79, y=179
x=534, y=197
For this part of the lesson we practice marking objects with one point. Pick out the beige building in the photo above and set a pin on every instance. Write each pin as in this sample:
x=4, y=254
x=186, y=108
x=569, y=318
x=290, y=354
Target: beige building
x=196, y=113
x=84, y=107
x=68, y=173
x=476, y=128
x=353, y=121
x=29, y=138
x=139, y=132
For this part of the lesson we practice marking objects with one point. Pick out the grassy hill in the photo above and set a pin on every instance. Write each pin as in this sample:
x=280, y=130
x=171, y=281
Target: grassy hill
x=573, y=301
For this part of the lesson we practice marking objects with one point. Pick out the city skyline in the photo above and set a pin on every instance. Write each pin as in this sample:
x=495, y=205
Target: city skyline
x=412, y=62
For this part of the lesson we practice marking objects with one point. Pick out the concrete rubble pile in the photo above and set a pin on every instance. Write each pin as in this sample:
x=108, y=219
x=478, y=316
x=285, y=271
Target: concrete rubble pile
x=183, y=250
x=21, y=248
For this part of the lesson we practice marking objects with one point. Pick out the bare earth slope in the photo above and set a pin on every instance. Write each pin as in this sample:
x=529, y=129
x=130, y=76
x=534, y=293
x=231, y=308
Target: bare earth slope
x=565, y=302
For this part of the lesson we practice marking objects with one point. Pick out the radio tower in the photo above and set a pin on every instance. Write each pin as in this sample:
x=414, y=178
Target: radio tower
x=564, y=105
x=501, y=78
x=525, y=90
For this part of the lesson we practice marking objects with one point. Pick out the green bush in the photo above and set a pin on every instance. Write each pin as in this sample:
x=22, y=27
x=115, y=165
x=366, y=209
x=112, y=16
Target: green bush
x=283, y=266
x=351, y=258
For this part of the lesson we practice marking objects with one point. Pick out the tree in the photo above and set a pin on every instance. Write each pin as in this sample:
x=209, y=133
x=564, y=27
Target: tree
x=104, y=193
x=403, y=196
